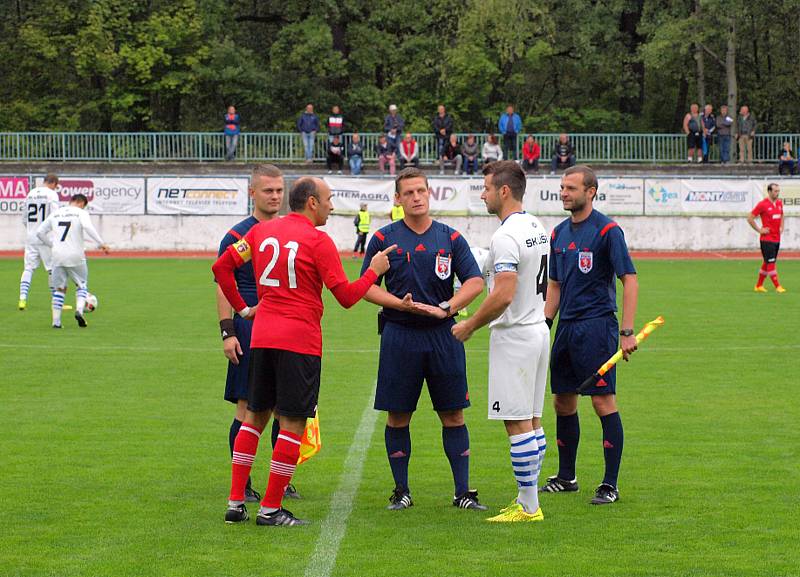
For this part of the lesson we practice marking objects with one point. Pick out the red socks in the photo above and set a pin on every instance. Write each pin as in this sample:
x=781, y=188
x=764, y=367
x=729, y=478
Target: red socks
x=284, y=461
x=244, y=452
x=772, y=272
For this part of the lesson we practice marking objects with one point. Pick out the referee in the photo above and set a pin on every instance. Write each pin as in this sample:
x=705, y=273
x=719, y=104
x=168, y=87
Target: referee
x=587, y=252
x=416, y=342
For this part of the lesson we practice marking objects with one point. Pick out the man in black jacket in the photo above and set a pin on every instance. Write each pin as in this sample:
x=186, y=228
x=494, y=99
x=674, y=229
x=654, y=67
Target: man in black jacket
x=442, y=128
x=563, y=154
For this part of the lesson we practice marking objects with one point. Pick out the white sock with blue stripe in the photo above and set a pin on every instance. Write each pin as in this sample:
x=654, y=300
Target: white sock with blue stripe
x=542, y=442
x=80, y=299
x=525, y=462
x=58, y=304
x=25, y=284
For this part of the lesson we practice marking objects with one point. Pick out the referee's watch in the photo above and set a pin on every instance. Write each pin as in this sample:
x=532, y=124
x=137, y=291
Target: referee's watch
x=445, y=306
x=626, y=333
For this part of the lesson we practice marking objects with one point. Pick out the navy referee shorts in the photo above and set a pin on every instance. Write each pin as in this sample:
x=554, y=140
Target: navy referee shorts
x=580, y=348
x=411, y=355
x=237, y=383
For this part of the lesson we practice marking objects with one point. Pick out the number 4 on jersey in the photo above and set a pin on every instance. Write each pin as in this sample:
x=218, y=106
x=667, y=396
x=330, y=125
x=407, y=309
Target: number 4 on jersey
x=496, y=406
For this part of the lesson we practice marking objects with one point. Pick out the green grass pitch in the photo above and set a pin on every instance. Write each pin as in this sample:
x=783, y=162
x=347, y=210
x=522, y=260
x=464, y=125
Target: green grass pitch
x=114, y=453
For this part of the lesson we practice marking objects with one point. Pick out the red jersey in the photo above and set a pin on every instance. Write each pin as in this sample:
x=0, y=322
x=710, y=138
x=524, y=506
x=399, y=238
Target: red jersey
x=771, y=218
x=291, y=262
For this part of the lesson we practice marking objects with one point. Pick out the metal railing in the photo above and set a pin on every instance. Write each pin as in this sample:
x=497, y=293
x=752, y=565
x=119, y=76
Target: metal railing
x=288, y=146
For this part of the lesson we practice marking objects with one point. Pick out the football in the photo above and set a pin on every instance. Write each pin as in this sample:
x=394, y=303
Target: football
x=91, y=302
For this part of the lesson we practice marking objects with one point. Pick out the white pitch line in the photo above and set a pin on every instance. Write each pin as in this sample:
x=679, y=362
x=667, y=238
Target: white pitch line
x=334, y=526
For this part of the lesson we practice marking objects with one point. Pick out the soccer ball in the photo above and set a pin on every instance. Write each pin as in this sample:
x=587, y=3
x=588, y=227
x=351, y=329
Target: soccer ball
x=91, y=302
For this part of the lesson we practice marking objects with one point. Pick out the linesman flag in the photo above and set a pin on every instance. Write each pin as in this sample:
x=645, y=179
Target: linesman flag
x=643, y=334
x=311, y=442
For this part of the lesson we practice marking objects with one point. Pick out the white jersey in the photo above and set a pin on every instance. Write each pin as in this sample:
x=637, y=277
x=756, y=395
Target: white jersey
x=64, y=230
x=521, y=245
x=40, y=203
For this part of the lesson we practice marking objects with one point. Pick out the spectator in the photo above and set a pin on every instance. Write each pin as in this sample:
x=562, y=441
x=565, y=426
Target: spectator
x=563, y=154
x=470, y=154
x=787, y=162
x=724, y=123
x=231, y=133
x=491, y=150
x=452, y=155
x=442, y=128
x=355, y=154
x=746, y=131
x=308, y=126
x=531, y=152
x=385, y=151
x=335, y=154
x=709, y=122
x=336, y=124
x=393, y=126
x=693, y=129
x=510, y=124
x=409, y=152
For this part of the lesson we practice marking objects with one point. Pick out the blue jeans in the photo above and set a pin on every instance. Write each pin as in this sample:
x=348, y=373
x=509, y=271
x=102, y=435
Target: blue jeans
x=725, y=148
x=355, y=164
x=308, y=144
x=231, y=140
x=470, y=166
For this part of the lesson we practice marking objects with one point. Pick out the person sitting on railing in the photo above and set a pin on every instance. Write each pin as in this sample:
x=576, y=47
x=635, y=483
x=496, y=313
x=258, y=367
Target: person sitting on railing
x=386, y=153
x=787, y=161
x=563, y=154
x=409, y=152
x=452, y=155
x=335, y=155
x=470, y=154
x=231, y=133
x=355, y=153
x=491, y=150
x=531, y=152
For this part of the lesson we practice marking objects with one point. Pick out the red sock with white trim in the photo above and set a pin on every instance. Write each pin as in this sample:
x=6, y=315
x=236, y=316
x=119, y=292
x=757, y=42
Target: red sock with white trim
x=281, y=468
x=244, y=452
x=772, y=272
x=762, y=275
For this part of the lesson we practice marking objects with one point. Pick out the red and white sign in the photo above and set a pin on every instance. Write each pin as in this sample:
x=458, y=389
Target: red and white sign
x=107, y=195
x=13, y=190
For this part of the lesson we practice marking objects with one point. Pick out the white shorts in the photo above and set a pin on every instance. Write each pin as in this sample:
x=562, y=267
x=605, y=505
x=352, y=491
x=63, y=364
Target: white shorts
x=37, y=253
x=518, y=362
x=79, y=274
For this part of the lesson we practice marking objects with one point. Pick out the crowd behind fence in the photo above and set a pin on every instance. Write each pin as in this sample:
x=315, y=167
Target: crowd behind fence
x=288, y=146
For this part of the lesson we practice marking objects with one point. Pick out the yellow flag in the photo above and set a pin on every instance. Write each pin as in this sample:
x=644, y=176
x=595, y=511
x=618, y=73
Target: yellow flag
x=311, y=442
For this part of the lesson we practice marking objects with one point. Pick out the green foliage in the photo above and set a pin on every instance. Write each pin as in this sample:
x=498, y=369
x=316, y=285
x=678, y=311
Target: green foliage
x=618, y=65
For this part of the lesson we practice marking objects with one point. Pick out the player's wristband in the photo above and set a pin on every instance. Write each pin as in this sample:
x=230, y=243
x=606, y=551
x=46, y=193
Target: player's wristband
x=549, y=323
x=244, y=312
x=227, y=328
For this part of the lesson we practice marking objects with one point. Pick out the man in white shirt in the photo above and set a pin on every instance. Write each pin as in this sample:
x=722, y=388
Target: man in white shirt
x=39, y=204
x=63, y=231
x=519, y=346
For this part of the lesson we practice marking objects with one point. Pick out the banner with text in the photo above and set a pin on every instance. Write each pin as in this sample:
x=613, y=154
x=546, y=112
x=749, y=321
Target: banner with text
x=13, y=190
x=107, y=195
x=449, y=196
x=789, y=194
x=197, y=195
x=700, y=196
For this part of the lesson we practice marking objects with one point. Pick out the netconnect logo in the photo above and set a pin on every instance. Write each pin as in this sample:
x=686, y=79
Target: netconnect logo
x=662, y=195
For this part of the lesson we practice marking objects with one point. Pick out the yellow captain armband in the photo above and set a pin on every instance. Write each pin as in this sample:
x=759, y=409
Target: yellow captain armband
x=242, y=248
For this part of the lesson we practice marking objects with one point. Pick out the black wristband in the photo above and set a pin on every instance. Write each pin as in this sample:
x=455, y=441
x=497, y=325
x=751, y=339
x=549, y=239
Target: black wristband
x=227, y=328
x=549, y=323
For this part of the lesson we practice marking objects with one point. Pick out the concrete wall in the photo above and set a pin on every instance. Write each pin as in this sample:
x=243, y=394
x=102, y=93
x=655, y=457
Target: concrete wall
x=195, y=233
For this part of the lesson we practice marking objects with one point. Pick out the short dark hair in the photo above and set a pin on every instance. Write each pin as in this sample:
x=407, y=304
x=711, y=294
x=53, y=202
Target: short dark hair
x=302, y=189
x=406, y=174
x=589, y=177
x=51, y=179
x=79, y=198
x=507, y=173
x=770, y=186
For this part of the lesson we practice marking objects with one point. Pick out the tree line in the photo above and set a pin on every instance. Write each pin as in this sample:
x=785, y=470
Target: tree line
x=572, y=65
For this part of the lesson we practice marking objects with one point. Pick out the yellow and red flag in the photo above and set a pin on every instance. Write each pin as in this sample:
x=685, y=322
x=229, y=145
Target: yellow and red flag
x=311, y=442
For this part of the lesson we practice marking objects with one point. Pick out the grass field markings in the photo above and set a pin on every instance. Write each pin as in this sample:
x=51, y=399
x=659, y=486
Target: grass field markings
x=323, y=559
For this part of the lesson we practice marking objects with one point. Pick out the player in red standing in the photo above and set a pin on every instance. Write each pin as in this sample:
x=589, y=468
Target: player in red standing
x=291, y=260
x=771, y=212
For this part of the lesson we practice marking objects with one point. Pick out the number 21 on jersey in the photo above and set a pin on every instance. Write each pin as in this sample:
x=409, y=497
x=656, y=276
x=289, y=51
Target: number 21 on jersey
x=292, y=247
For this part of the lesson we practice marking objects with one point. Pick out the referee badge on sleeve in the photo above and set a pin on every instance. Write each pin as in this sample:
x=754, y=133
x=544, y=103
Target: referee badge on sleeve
x=585, y=261
x=443, y=266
